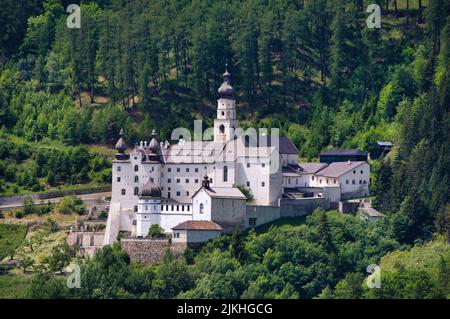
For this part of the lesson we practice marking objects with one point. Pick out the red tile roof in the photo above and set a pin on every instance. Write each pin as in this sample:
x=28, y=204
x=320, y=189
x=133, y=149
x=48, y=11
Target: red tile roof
x=197, y=225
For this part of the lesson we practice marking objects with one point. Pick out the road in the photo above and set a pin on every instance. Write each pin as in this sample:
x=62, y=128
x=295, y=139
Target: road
x=86, y=198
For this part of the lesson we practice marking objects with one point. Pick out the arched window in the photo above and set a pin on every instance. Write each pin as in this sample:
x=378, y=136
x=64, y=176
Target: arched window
x=136, y=179
x=136, y=191
x=222, y=129
x=202, y=208
x=136, y=168
x=225, y=173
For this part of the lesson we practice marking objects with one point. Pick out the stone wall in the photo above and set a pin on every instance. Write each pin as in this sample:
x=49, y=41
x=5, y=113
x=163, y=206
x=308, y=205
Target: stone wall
x=263, y=214
x=150, y=251
x=302, y=207
x=349, y=207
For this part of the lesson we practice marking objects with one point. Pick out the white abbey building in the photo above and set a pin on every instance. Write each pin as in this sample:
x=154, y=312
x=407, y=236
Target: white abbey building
x=192, y=188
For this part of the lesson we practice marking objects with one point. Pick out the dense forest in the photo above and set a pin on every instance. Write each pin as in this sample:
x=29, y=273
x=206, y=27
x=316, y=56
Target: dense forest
x=312, y=68
x=326, y=257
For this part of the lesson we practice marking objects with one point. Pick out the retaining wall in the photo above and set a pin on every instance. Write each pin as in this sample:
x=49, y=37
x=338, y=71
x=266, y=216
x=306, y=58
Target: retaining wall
x=150, y=251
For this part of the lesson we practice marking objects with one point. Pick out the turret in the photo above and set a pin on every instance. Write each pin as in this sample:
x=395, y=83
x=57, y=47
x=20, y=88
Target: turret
x=121, y=147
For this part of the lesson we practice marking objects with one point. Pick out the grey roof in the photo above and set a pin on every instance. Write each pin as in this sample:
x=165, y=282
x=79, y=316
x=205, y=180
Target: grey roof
x=343, y=152
x=311, y=168
x=286, y=146
x=222, y=192
x=337, y=169
x=290, y=171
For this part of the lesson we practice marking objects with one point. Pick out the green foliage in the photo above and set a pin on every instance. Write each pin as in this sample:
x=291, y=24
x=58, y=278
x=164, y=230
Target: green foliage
x=155, y=231
x=71, y=204
x=11, y=237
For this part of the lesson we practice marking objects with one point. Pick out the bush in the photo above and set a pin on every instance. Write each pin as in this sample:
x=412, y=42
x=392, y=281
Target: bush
x=155, y=231
x=19, y=214
x=103, y=215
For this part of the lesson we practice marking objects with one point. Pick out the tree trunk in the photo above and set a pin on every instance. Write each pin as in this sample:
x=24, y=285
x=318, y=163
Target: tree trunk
x=92, y=93
x=407, y=12
x=420, y=11
x=395, y=8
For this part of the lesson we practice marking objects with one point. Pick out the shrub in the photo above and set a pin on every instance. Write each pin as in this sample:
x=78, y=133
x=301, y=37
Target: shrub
x=155, y=231
x=19, y=214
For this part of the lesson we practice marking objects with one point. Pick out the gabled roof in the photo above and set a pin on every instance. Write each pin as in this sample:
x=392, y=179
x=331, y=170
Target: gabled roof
x=197, y=225
x=285, y=145
x=222, y=192
x=311, y=168
x=337, y=169
x=343, y=152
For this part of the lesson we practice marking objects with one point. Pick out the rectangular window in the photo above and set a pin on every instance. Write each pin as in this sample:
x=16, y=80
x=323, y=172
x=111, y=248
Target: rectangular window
x=123, y=191
x=188, y=208
x=178, y=208
x=196, y=170
x=182, y=208
x=118, y=179
x=362, y=172
x=187, y=193
x=187, y=180
x=248, y=164
x=353, y=182
x=169, y=169
x=178, y=169
x=263, y=184
x=178, y=194
x=169, y=180
x=196, y=181
x=178, y=181
x=119, y=168
x=346, y=181
x=187, y=170
x=248, y=184
x=263, y=165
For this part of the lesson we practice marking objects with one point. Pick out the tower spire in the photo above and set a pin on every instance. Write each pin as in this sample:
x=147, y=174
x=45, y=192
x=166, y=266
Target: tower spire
x=226, y=91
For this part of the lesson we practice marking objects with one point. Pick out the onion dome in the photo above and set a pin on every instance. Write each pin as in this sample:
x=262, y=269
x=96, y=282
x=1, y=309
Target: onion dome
x=121, y=146
x=154, y=144
x=150, y=189
x=226, y=91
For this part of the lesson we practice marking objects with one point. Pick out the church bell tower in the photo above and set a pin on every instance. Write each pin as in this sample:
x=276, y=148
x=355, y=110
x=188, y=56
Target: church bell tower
x=225, y=122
